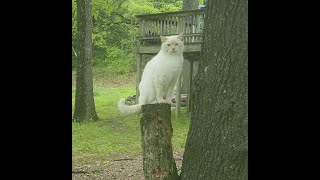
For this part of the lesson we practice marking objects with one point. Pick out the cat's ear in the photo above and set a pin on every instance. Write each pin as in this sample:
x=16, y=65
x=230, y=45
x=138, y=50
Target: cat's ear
x=180, y=36
x=163, y=38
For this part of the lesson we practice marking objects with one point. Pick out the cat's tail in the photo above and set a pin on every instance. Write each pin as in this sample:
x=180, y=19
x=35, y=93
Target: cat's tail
x=124, y=109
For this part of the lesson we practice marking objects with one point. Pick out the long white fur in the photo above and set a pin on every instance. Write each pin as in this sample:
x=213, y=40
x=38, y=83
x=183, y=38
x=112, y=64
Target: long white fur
x=160, y=75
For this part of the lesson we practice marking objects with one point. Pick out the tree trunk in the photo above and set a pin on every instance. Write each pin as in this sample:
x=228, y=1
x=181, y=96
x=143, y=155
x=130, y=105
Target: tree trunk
x=190, y=4
x=84, y=101
x=217, y=142
x=186, y=82
x=156, y=134
x=187, y=5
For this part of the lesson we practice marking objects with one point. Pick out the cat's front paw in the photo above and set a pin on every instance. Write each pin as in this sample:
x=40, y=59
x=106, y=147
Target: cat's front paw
x=162, y=101
x=154, y=102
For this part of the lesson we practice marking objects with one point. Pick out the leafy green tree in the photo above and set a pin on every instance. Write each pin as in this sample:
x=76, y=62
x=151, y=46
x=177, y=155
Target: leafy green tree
x=112, y=30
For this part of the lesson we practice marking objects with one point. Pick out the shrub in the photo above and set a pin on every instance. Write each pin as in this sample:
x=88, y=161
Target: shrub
x=122, y=65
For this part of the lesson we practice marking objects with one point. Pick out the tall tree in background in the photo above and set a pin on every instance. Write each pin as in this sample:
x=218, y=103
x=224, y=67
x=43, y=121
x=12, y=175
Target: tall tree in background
x=217, y=142
x=185, y=79
x=84, y=101
x=190, y=4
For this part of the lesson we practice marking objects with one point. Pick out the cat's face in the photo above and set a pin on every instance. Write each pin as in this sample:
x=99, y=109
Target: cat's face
x=172, y=44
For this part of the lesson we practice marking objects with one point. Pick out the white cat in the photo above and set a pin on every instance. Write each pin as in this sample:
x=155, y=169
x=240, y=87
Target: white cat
x=160, y=75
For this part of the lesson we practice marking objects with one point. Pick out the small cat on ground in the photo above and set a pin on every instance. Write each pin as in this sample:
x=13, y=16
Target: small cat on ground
x=160, y=75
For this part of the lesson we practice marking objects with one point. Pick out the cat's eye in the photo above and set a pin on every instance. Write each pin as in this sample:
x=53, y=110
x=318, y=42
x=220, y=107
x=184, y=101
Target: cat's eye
x=168, y=44
x=176, y=44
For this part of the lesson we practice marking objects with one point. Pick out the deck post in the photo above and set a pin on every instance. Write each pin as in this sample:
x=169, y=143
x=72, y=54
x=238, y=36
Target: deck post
x=139, y=73
x=178, y=97
x=178, y=84
x=189, y=87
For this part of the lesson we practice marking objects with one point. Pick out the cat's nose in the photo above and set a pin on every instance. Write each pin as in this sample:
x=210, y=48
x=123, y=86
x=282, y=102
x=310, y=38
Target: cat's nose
x=173, y=49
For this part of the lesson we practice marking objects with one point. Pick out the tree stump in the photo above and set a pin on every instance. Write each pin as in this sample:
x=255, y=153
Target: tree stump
x=156, y=135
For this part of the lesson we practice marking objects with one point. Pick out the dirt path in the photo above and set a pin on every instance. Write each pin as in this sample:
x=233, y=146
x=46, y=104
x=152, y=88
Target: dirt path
x=121, y=168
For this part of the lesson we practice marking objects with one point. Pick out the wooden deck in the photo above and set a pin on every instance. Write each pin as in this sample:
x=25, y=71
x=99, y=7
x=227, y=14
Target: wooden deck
x=151, y=26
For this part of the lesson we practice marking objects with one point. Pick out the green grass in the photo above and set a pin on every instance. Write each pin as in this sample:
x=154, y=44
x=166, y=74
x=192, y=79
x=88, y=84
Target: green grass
x=113, y=133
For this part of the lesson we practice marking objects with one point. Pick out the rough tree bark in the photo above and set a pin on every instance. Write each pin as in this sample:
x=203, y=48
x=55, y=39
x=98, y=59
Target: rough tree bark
x=156, y=135
x=84, y=101
x=217, y=142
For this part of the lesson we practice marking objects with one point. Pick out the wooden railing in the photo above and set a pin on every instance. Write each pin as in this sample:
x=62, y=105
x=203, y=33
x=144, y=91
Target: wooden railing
x=151, y=26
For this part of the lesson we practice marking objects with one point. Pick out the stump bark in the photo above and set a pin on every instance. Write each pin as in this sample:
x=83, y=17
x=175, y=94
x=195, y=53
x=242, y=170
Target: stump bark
x=156, y=135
